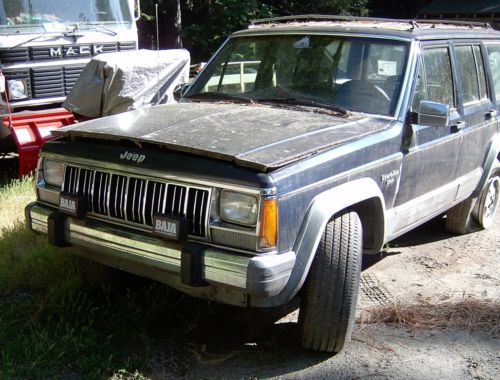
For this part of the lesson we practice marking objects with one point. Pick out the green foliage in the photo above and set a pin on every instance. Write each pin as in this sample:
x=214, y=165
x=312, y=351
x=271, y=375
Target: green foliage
x=339, y=7
x=206, y=25
x=49, y=326
x=14, y=195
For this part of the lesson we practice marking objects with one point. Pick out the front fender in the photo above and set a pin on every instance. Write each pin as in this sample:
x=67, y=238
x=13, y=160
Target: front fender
x=319, y=213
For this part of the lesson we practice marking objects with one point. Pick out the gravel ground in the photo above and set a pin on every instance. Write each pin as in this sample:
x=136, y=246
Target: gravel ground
x=426, y=265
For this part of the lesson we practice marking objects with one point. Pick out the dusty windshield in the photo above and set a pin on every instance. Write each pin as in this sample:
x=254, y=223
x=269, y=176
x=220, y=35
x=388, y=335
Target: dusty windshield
x=357, y=74
x=18, y=16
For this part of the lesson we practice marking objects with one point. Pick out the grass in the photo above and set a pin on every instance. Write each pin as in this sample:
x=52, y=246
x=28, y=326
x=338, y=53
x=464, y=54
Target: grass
x=52, y=327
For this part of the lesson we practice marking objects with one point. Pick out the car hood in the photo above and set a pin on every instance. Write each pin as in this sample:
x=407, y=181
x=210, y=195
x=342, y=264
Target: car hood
x=256, y=136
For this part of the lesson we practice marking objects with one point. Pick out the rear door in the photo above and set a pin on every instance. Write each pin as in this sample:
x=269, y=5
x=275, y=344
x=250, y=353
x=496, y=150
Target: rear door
x=478, y=110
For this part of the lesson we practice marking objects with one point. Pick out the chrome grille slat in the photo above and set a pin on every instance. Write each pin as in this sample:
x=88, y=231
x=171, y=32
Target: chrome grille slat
x=77, y=180
x=136, y=200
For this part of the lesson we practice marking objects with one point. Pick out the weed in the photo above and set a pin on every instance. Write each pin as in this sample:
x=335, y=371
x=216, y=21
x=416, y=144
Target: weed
x=50, y=326
x=13, y=198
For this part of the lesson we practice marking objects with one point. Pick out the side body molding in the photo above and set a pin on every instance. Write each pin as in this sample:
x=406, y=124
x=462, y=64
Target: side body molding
x=491, y=156
x=319, y=213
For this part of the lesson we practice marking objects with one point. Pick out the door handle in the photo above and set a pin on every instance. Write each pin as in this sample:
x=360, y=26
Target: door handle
x=491, y=114
x=457, y=127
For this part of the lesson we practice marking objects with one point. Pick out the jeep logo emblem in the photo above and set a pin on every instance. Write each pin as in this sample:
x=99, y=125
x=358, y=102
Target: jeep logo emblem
x=132, y=157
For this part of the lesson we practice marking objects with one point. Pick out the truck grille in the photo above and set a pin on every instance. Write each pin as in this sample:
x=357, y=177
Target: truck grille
x=36, y=53
x=136, y=200
x=47, y=82
x=53, y=81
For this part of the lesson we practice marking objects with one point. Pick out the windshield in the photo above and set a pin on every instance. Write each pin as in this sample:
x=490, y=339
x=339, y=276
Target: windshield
x=357, y=74
x=22, y=15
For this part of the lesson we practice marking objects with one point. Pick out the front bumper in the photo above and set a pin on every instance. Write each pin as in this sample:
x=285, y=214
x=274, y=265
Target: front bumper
x=192, y=268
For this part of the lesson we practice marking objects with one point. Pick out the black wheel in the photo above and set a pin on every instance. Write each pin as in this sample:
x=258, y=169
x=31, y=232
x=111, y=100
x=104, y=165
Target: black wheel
x=473, y=214
x=328, y=305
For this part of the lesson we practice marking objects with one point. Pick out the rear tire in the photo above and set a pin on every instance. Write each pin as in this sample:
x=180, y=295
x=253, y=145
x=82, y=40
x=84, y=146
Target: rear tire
x=328, y=305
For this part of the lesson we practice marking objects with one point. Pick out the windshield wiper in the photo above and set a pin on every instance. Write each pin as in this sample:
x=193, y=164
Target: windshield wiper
x=95, y=27
x=219, y=96
x=48, y=37
x=294, y=102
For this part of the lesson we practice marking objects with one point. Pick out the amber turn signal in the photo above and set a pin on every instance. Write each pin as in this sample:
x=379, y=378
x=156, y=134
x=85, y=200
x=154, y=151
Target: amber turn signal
x=268, y=223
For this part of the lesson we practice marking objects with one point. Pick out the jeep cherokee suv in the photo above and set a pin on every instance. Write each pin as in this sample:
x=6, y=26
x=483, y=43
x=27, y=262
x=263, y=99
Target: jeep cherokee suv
x=305, y=143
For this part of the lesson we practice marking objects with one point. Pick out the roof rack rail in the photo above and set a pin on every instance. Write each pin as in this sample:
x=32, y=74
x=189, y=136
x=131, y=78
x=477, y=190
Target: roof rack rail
x=315, y=17
x=471, y=24
x=414, y=23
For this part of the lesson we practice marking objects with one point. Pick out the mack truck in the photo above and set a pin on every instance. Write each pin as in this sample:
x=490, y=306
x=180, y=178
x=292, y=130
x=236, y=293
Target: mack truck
x=44, y=46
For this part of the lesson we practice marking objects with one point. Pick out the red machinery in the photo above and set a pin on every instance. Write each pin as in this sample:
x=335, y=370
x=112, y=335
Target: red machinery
x=30, y=130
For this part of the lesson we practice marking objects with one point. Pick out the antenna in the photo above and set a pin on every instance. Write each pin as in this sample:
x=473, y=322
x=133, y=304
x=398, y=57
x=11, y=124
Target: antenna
x=158, y=58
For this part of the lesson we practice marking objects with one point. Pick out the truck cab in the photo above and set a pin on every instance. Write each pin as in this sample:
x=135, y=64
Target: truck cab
x=44, y=46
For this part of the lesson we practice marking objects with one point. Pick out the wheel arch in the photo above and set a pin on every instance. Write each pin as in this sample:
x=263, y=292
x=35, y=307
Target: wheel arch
x=492, y=155
x=362, y=196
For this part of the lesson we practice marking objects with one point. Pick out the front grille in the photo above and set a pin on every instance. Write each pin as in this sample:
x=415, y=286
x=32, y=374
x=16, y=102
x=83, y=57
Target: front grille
x=137, y=200
x=47, y=82
x=54, y=81
x=128, y=46
x=14, y=55
x=36, y=53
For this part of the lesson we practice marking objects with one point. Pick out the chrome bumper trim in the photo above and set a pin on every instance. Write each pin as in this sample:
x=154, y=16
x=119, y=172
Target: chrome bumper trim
x=259, y=275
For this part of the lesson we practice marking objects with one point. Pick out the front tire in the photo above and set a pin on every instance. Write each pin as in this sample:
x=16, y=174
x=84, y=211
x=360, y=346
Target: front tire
x=328, y=305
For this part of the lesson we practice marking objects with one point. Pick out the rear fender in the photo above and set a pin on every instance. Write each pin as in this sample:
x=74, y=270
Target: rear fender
x=489, y=164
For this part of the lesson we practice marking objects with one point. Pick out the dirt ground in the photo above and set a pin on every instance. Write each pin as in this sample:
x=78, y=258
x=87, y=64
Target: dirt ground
x=426, y=265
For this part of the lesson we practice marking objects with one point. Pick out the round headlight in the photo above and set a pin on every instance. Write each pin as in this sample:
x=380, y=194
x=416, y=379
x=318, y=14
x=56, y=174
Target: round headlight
x=17, y=89
x=53, y=172
x=239, y=208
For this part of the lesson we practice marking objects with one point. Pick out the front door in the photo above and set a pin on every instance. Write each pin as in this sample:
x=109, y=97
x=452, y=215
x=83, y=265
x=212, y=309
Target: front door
x=429, y=165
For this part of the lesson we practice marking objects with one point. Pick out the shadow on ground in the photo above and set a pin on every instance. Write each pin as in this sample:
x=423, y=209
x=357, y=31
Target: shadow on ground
x=430, y=232
x=8, y=168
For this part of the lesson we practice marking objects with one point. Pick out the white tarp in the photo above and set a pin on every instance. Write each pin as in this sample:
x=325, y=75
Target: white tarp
x=112, y=83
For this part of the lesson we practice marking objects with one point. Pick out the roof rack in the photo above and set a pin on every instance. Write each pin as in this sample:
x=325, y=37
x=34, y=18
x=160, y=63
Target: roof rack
x=414, y=24
x=314, y=17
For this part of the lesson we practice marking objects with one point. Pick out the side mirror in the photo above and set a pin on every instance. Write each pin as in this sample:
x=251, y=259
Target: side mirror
x=433, y=114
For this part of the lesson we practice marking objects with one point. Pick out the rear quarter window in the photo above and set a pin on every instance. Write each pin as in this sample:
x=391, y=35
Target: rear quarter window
x=471, y=77
x=494, y=61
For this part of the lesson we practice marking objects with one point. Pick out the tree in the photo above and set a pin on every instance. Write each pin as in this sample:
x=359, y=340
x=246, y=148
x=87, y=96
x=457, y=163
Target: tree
x=206, y=23
x=335, y=7
x=169, y=24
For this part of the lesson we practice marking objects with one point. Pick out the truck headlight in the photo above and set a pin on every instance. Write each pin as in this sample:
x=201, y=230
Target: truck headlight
x=53, y=172
x=239, y=208
x=17, y=89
